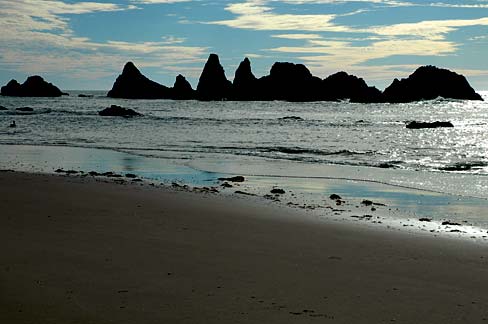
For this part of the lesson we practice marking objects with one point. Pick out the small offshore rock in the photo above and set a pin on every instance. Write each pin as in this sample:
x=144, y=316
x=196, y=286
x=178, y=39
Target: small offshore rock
x=227, y=185
x=451, y=223
x=244, y=193
x=130, y=175
x=419, y=125
x=277, y=191
x=335, y=197
x=233, y=179
x=366, y=202
x=24, y=109
x=3, y=108
x=117, y=111
x=424, y=219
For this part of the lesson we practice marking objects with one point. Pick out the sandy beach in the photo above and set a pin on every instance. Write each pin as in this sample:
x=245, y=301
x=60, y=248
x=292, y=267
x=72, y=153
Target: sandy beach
x=79, y=250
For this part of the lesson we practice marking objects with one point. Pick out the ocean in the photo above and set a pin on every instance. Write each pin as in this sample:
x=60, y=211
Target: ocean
x=265, y=140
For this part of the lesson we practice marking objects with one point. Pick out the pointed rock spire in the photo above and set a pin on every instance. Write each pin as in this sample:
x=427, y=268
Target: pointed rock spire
x=182, y=89
x=213, y=84
x=132, y=84
x=245, y=83
x=130, y=69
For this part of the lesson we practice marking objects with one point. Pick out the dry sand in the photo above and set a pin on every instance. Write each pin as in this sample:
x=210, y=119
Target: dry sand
x=78, y=250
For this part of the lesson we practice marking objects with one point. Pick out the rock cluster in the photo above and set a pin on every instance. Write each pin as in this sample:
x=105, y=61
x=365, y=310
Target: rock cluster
x=132, y=84
x=34, y=86
x=294, y=82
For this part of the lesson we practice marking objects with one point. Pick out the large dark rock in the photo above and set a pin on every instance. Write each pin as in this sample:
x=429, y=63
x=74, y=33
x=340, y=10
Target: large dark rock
x=3, y=108
x=34, y=86
x=290, y=82
x=245, y=84
x=213, y=84
x=117, y=111
x=436, y=124
x=132, y=84
x=182, y=89
x=341, y=86
x=430, y=82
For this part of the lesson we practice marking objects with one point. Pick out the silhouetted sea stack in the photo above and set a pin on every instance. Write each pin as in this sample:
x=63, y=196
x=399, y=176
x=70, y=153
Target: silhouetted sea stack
x=132, y=84
x=290, y=82
x=428, y=83
x=340, y=86
x=213, y=84
x=245, y=85
x=182, y=89
x=34, y=86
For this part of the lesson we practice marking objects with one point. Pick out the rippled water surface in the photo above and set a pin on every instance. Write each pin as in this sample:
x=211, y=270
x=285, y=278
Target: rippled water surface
x=318, y=134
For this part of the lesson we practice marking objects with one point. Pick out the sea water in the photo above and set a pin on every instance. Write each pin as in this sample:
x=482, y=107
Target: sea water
x=265, y=140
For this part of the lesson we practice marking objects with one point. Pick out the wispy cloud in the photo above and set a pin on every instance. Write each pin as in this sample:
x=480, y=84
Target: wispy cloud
x=393, y=3
x=37, y=38
x=158, y=1
x=430, y=29
x=298, y=36
x=255, y=15
x=459, y=5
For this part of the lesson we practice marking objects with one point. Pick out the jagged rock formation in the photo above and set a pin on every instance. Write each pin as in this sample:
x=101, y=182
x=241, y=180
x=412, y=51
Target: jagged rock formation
x=132, y=84
x=341, y=86
x=294, y=82
x=290, y=82
x=182, y=89
x=213, y=84
x=34, y=86
x=245, y=84
x=430, y=82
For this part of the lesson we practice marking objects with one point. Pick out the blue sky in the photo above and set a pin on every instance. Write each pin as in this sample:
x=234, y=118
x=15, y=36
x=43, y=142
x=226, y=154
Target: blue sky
x=84, y=44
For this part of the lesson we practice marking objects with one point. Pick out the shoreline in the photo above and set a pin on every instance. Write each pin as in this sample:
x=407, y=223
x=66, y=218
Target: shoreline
x=94, y=250
x=402, y=209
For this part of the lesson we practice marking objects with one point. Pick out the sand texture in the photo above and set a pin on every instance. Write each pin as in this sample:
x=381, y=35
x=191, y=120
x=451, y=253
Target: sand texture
x=78, y=250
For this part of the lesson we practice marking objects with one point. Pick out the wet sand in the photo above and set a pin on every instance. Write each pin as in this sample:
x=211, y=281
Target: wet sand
x=79, y=250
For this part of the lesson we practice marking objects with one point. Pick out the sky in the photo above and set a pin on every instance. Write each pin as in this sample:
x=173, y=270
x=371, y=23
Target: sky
x=84, y=44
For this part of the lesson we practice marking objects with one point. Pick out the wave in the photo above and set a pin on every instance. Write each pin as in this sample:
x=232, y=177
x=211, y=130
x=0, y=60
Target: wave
x=26, y=111
x=298, y=150
x=75, y=112
x=465, y=166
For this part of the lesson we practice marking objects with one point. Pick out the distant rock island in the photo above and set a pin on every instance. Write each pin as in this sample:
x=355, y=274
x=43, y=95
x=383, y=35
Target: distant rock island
x=430, y=82
x=34, y=86
x=132, y=84
x=293, y=82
